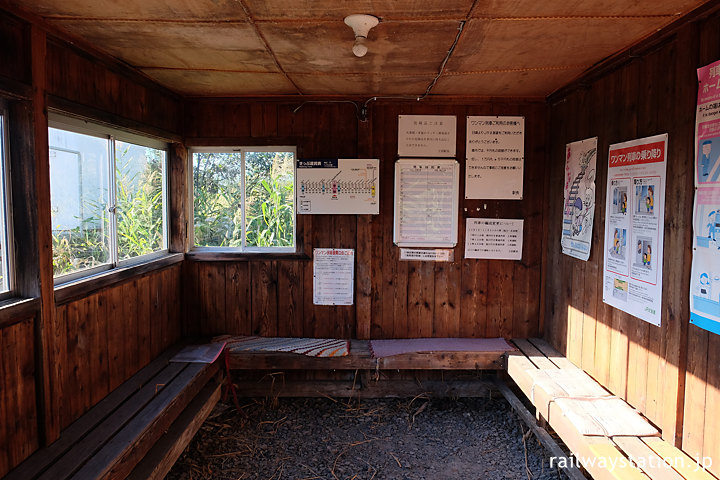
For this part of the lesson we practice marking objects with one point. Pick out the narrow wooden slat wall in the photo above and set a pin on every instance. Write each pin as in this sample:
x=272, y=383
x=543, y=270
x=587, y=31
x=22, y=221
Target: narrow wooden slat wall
x=106, y=337
x=394, y=299
x=670, y=373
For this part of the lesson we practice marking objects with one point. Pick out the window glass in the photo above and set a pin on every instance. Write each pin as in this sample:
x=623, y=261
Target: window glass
x=79, y=197
x=139, y=183
x=5, y=283
x=217, y=194
x=261, y=219
x=108, y=195
x=269, y=182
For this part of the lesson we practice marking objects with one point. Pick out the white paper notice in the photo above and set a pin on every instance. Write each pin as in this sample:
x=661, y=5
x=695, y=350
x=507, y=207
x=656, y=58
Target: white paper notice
x=579, y=198
x=495, y=152
x=426, y=203
x=338, y=186
x=427, y=135
x=333, y=276
x=493, y=238
x=425, y=255
x=634, y=227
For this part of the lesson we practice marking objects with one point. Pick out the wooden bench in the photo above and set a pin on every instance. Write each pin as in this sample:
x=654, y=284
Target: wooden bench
x=628, y=456
x=137, y=431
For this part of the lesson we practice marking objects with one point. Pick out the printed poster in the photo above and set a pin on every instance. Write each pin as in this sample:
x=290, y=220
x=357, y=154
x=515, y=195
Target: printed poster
x=427, y=135
x=426, y=203
x=495, y=153
x=333, y=276
x=494, y=238
x=705, y=273
x=634, y=227
x=338, y=186
x=579, y=198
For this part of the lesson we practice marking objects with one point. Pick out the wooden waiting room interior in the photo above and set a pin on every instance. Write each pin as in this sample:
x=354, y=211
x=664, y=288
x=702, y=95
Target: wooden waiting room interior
x=267, y=74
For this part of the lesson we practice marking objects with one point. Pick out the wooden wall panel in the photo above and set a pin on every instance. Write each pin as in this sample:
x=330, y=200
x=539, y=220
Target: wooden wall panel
x=394, y=299
x=91, y=87
x=106, y=337
x=15, y=54
x=670, y=373
x=19, y=435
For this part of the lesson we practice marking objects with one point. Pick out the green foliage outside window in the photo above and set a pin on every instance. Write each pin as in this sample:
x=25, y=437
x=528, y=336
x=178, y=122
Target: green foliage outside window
x=269, y=202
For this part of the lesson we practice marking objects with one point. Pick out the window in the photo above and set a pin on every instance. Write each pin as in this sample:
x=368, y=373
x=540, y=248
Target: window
x=244, y=198
x=5, y=257
x=108, y=197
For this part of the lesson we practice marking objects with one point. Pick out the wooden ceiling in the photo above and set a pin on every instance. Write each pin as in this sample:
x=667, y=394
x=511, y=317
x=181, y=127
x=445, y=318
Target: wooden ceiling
x=506, y=48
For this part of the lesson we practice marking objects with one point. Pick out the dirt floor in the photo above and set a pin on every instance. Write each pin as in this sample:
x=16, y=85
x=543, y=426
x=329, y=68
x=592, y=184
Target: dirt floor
x=323, y=438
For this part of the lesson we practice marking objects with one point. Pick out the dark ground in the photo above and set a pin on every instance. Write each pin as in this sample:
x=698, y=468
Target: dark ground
x=322, y=438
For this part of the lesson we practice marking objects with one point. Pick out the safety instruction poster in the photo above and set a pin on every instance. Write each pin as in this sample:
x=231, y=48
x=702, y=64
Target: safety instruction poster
x=427, y=136
x=634, y=227
x=333, y=276
x=495, y=154
x=579, y=198
x=338, y=186
x=705, y=275
x=426, y=203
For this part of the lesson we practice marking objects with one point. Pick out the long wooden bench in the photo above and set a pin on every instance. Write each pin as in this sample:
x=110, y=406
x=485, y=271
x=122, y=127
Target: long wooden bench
x=552, y=382
x=137, y=431
x=359, y=358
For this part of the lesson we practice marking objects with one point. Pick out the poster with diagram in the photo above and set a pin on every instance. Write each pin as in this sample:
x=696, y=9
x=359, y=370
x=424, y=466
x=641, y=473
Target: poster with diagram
x=338, y=186
x=705, y=273
x=634, y=227
x=579, y=198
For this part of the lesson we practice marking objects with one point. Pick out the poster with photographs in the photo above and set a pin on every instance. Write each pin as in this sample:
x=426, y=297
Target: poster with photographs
x=634, y=227
x=579, y=198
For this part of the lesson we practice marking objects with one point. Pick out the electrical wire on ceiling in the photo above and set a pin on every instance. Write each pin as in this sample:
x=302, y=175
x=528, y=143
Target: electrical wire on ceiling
x=361, y=112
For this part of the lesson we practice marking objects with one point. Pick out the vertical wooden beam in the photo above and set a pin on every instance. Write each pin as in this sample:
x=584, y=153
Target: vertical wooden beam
x=48, y=418
x=179, y=197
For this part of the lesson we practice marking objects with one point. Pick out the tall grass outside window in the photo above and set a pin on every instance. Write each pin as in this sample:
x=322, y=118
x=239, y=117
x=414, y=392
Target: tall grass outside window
x=243, y=198
x=108, y=199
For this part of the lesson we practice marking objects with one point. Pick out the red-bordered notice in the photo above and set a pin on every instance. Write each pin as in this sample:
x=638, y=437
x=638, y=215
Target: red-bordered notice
x=634, y=227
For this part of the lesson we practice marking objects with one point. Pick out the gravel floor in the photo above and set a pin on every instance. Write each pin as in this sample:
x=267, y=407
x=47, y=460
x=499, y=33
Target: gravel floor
x=311, y=438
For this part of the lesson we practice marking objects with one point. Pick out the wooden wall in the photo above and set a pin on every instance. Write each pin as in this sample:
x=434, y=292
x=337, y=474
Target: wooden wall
x=104, y=338
x=393, y=299
x=671, y=373
x=59, y=359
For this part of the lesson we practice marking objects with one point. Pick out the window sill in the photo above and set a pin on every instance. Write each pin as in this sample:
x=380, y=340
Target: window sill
x=15, y=310
x=76, y=289
x=230, y=256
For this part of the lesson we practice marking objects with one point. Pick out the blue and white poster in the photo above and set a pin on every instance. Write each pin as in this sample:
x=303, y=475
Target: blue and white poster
x=705, y=276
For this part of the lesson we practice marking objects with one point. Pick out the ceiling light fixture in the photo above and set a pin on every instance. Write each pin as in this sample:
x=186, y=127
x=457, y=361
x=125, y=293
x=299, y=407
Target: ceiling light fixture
x=361, y=25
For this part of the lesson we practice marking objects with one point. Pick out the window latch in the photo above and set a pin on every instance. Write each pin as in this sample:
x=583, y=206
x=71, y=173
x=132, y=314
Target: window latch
x=112, y=209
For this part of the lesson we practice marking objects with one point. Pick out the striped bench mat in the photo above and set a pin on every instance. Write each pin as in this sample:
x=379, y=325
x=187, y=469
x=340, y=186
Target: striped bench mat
x=312, y=347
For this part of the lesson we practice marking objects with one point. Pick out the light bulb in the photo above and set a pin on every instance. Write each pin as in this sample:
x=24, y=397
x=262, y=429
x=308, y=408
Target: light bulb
x=359, y=47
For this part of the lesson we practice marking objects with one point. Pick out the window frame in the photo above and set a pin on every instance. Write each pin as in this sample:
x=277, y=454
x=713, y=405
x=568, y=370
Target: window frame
x=6, y=201
x=243, y=249
x=62, y=121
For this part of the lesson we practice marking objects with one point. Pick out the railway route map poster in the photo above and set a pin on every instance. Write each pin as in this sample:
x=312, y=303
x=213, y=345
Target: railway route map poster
x=705, y=273
x=634, y=227
x=338, y=186
x=426, y=203
x=495, y=155
x=333, y=276
x=427, y=136
x=579, y=198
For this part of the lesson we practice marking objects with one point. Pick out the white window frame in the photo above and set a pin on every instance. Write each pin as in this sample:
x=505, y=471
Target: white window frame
x=112, y=134
x=191, y=195
x=6, y=202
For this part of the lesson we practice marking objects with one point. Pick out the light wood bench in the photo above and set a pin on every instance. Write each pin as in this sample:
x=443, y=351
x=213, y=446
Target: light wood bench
x=137, y=431
x=634, y=457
